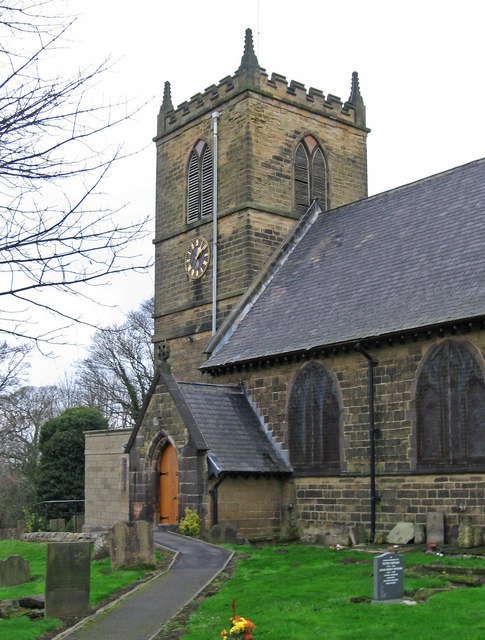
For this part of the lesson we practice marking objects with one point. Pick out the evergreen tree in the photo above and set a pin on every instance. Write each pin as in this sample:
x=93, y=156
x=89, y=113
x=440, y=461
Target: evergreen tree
x=60, y=472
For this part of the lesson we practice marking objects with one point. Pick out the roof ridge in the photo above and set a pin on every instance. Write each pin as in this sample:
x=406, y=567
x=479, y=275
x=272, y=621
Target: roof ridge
x=407, y=185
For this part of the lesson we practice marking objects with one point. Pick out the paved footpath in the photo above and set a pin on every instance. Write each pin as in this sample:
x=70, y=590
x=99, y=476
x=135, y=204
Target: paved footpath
x=141, y=615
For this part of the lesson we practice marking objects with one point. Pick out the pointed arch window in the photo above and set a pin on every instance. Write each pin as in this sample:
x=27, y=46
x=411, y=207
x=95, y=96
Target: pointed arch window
x=199, y=183
x=450, y=407
x=310, y=175
x=314, y=421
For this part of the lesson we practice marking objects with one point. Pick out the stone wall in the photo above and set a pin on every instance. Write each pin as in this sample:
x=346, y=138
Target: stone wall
x=404, y=491
x=258, y=507
x=106, y=484
x=162, y=425
x=258, y=135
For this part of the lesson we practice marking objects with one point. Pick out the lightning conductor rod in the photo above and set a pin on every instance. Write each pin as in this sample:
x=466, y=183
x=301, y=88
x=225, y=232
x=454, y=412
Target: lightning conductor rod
x=215, y=122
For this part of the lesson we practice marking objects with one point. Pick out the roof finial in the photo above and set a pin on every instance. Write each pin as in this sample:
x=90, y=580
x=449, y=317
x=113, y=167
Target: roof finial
x=356, y=100
x=167, y=98
x=249, y=60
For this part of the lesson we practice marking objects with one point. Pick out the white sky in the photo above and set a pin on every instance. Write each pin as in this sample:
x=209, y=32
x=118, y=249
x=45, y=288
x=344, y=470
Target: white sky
x=420, y=66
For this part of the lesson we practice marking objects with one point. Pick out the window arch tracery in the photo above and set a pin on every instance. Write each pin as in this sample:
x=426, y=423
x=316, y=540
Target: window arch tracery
x=199, y=183
x=314, y=421
x=450, y=407
x=310, y=174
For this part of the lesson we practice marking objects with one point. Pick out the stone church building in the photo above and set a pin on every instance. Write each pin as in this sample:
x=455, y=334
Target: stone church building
x=320, y=354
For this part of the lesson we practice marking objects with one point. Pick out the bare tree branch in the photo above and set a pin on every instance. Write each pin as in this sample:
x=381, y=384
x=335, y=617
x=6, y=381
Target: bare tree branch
x=53, y=156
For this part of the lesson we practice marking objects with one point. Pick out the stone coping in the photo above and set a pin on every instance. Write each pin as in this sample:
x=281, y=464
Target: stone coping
x=61, y=536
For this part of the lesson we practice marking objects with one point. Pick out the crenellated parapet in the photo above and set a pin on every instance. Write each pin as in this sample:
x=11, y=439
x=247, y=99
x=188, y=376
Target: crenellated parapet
x=251, y=77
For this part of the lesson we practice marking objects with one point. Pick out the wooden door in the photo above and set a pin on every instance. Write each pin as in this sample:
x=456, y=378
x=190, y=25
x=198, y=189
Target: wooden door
x=169, y=487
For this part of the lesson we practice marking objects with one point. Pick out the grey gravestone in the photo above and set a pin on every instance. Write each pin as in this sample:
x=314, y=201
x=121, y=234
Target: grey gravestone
x=402, y=533
x=230, y=534
x=435, y=527
x=216, y=533
x=78, y=522
x=477, y=536
x=388, y=577
x=57, y=524
x=465, y=534
x=358, y=535
x=67, y=579
x=131, y=546
x=419, y=534
x=14, y=570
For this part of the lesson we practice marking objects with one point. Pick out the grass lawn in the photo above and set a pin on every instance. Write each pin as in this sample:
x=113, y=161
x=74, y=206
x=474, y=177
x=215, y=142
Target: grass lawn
x=304, y=593
x=104, y=584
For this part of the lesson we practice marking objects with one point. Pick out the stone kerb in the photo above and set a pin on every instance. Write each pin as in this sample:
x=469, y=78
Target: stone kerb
x=14, y=570
x=132, y=546
x=67, y=579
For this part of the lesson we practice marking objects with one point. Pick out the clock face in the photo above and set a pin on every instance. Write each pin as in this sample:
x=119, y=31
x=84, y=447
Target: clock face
x=197, y=258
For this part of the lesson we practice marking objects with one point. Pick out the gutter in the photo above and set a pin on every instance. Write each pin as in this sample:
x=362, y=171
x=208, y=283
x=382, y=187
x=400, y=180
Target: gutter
x=371, y=363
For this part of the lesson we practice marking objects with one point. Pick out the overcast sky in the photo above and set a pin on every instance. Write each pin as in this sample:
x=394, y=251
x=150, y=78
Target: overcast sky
x=420, y=66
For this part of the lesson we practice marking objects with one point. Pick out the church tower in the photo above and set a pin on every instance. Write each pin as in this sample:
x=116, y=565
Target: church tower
x=278, y=147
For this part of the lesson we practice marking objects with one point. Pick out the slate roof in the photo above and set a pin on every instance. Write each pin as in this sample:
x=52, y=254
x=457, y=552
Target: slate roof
x=235, y=437
x=404, y=259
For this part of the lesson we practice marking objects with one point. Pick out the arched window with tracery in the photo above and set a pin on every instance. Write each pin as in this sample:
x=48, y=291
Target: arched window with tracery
x=314, y=421
x=199, y=183
x=310, y=174
x=450, y=407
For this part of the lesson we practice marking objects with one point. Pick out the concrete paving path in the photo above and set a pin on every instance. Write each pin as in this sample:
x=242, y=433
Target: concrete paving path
x=141, y=615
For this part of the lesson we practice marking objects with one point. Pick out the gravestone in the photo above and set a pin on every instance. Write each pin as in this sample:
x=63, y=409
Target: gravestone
x=14, y=570
x=67, y=579
x=419, y=534
x=131, y=546
x=358, y=535
x=78, y=522
x=216, y=534
x=57, y=524
x=402, y=533
x=388, y=577
x=230, y=534
x=435, y=527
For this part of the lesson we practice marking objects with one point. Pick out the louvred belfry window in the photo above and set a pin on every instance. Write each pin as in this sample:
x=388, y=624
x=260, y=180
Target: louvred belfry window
x=314, y=421
x=310, y=175
x=199, y=183
x=450, y=407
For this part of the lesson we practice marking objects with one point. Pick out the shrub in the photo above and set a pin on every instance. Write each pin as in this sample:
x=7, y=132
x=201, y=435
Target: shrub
x=190, y=524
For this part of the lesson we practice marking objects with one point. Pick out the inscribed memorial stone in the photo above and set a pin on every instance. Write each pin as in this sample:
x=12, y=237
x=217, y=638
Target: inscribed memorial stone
x=435, y=527
x=14, y=570
x=67, y=579
x=132, y=546
x=388, y=577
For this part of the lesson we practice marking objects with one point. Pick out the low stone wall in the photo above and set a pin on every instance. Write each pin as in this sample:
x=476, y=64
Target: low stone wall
x=61, y=536
x=9, y=534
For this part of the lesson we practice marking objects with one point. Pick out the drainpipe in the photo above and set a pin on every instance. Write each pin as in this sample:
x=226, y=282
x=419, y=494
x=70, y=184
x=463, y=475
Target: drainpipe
x=215, y=122
x=215, y=504
x=371, y=363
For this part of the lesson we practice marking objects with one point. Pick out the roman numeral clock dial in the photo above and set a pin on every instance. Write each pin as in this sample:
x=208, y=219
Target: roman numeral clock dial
x=197, y=258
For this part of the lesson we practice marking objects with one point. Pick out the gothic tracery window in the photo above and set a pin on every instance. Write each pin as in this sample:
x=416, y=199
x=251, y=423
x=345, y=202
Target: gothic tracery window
x=310, y=175
x=450, y=407
x=314, y=421
x=199, y=183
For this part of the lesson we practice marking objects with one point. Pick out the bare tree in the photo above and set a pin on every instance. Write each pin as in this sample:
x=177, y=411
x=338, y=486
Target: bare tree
x=13, y=365
x=53, y=155
x=22, y=413
x=118, y=371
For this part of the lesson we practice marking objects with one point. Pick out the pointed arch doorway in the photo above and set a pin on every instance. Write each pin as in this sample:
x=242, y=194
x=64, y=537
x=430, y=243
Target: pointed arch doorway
x=169, y=490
